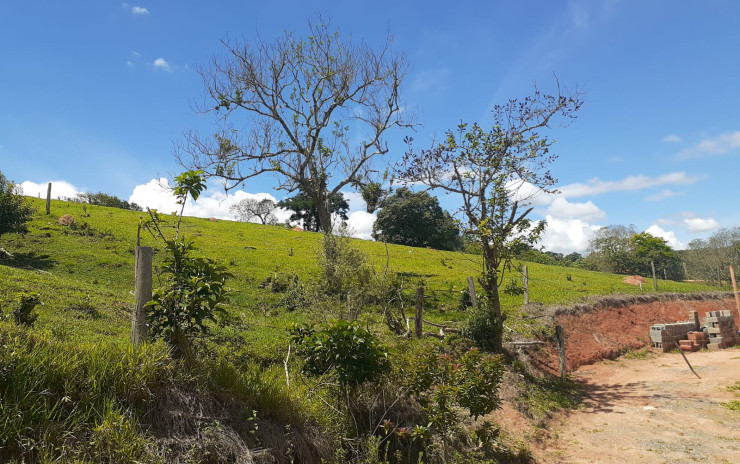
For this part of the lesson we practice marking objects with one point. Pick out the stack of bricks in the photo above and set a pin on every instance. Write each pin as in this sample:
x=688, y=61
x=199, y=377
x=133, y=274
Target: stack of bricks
x=696, y=341
x=721, y=328
x=667, y=336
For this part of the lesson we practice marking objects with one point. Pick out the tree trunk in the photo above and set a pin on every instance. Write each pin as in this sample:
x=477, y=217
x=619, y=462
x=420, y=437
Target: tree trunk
x=489, y=282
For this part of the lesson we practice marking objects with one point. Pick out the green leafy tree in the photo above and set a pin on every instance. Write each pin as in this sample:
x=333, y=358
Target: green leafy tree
x=193, y=289
x=710, y=259
x=611, y=250
x=305, y=210
x=15, y=210
x=317, y=110
x=416, y=219
x=104, y=199
x=487, y=169
x=649, y=249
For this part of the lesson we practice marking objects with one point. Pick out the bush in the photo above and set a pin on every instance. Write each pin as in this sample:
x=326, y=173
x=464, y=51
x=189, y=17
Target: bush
x=342, y=349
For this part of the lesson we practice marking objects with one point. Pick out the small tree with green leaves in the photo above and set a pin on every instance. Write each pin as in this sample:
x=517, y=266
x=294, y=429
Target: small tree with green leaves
x=495, y=174
x=194, y=289
x=15, y=210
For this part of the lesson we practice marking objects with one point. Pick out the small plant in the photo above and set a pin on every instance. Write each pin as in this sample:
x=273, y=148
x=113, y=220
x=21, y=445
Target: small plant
x=464, y=302
x=24, y=314
x=194, y=289
x=343, y=349
x=733, y=405
x=513, y=288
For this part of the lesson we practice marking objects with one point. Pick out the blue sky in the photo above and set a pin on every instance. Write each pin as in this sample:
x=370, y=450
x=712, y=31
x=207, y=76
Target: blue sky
x=93, y=94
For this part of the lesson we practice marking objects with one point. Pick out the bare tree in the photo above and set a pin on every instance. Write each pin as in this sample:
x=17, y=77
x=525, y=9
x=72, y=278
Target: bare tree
x=249, y=208
x=312, y=110
x=495, y=173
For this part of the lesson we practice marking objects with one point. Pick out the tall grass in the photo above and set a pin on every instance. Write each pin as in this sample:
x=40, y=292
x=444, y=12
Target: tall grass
x=65, y=399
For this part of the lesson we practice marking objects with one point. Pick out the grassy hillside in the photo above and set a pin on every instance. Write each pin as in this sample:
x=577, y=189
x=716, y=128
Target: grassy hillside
x=77, y=392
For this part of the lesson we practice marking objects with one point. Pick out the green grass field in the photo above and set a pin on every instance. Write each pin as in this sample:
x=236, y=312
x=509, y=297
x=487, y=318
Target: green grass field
x=85, y=277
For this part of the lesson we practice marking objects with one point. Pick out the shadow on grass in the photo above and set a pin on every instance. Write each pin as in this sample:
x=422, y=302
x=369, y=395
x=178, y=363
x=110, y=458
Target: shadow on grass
x=29, y=260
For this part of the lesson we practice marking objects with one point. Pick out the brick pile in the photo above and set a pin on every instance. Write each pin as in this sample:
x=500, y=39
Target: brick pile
x=716, y=331
x=721, y=328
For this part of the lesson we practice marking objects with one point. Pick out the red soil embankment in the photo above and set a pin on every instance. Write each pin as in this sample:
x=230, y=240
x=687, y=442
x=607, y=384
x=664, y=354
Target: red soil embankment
x=614, y=325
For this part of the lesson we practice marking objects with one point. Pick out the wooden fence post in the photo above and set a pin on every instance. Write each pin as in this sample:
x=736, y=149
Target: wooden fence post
x=143, y=294
x=419, y=312
x=48, y=199
x=525, y=272
x=655, y=279
x=471, y=292
x=734, y=288
x=560, y=336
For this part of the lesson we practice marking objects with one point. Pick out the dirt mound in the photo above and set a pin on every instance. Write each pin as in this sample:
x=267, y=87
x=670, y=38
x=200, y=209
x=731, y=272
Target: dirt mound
x=610, y=326
x=635, y=280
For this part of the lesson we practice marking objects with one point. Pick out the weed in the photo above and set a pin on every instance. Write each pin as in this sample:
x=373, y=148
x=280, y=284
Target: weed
x=733, y=405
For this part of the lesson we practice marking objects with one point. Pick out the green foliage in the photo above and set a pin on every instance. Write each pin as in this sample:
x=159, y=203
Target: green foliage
x=342, y=349
x=622, y=250
x=373, y=195
x=194, y=288
x=733, y=405
x=304, y=209
x=513, y=288
x=416, y=219
x=442, y=381
x=62, y=400
x=104, y=199
x=15, y=211
x=193, y=292
x=482, y=328
x=710, y=259
x=24, y=314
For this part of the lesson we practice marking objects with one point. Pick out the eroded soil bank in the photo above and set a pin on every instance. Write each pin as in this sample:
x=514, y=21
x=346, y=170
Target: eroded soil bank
x=613, y=325
x=647, y=409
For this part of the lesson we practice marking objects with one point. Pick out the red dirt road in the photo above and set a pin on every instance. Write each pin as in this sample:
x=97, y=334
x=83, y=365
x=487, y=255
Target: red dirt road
x=651, y=411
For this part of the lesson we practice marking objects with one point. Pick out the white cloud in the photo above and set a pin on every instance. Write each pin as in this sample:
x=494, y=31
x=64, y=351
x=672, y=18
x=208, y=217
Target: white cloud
x=356, y=203
x=560, y=208
x=696, y=224
x=667, y=193
x=667, y=235
x=567, y=235
x=138, y=10
x=712, y=147
x=130, y=63
x=59, y=188
x=215, y=203
x=672, y=138
x=160, y=63
x=597, y=186
x=360, y=224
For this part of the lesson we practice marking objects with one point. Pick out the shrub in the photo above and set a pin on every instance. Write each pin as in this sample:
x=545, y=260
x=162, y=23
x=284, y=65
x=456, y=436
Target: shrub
x=66, y=220
x=342, y=349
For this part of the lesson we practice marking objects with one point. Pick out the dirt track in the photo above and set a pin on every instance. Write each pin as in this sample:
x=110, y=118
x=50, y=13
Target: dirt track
x=651, y=411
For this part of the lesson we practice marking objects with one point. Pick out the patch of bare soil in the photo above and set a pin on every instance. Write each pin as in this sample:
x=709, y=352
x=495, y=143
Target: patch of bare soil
x=651, y=411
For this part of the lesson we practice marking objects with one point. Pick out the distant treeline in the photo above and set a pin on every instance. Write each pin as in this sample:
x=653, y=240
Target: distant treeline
x=103, y=199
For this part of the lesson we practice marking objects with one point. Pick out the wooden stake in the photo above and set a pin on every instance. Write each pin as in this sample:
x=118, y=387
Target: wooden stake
x=418, y=327
x=48, y=199
x=560, y=336
x=734, y=288
x=143, y=294
x=655, y=279
x=471, y=292
x=526, y=285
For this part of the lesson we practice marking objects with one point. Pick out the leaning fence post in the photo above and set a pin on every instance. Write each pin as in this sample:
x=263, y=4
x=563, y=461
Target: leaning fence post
x=143, y=294
x=48, y=199
x=471, y=292
x=525, y=272
x=419, y=311
x=560, y=336
x=655, y=279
